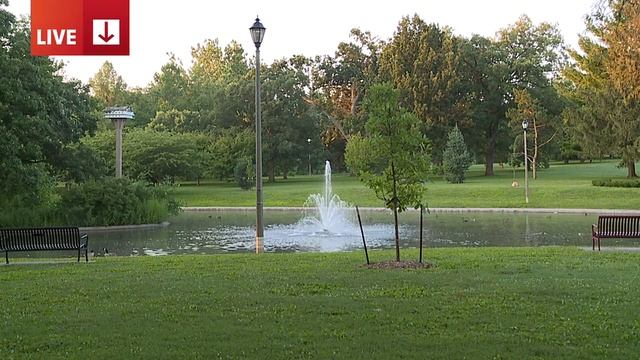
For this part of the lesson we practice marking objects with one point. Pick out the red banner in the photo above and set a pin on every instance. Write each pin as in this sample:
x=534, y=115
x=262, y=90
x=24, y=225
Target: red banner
x=79, y=27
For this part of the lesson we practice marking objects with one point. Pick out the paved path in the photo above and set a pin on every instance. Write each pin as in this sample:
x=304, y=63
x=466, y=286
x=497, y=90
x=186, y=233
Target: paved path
x=437, y=210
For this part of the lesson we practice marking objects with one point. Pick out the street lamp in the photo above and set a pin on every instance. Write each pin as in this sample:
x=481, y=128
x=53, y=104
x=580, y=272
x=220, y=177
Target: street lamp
x=525, y=125
x=309, y=153
x=118, y=115
x=257, y=34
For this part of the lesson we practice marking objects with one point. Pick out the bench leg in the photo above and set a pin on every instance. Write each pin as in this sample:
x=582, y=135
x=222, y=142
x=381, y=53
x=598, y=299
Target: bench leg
x=86, y=254
x=78, y=254
x=598, y=244
x=593, y=243
x=6, y=256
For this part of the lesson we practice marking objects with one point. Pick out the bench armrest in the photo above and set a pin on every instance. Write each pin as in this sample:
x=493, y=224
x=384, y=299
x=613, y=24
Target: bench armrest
x=86, y=239
x=594, y=229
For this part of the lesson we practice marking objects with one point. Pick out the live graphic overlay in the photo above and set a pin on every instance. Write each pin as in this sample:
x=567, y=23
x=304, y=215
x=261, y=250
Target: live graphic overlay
x=79, y=27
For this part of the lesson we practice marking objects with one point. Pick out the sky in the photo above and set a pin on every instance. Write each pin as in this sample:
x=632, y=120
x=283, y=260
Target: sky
x=160, y=27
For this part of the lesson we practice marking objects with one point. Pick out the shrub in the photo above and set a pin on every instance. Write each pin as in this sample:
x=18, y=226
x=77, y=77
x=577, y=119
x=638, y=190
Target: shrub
x=114, y=201
x=456, y=158
x=243, y=173
x=624, y=183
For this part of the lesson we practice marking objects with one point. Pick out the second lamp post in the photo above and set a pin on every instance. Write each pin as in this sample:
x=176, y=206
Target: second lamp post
x=525, y=125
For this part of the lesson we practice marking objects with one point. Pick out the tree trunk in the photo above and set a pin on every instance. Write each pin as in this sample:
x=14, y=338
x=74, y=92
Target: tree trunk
x=271, y=171
x=395, y=210
x=355, y=96
x=285, y=173
x=489, y=156
x=631, y=169
x=534, y=165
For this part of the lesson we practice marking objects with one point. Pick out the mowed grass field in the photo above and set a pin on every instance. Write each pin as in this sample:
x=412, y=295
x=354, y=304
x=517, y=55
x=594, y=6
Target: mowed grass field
x=476, y=303
x=560, y=186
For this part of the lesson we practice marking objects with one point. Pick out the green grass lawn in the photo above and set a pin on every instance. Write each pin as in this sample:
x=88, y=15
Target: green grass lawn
x=561, y=186
x=481, y=303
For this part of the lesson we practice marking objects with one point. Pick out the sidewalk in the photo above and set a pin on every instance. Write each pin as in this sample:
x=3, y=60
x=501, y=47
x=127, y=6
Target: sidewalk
x=435, y=210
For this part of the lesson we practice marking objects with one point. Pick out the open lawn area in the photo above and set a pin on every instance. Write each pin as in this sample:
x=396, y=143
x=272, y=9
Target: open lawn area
x=480, y=303
x=560, y=186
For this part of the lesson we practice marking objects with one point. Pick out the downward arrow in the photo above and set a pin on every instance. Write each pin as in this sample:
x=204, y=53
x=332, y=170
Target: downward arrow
x=106, y=37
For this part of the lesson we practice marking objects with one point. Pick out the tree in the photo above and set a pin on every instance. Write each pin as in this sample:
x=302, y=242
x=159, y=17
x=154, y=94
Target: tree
x=392, y=156
x=598, y=113
x=543, y=126
x=287, y=118
x=422, y=61
x=621, y=22
x=220, y=88
x=228, y=147
x=169, y=88
x=339, y=83
x=155, y=156
x=522, y=56
x=107, y=86
x=41, y=116
x=456, y=158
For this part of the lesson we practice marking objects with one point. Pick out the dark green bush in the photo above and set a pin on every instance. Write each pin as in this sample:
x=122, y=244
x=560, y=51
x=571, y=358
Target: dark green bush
x=112, y=201
x=624, y=183
x=243, y=173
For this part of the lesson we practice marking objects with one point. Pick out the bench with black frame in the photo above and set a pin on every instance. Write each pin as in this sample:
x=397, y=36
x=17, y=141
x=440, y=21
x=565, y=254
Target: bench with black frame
x=43, y=239
x=615, y=227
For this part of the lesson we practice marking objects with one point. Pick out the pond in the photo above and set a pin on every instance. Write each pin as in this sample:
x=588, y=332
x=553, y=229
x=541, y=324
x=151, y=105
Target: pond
x=207, y=232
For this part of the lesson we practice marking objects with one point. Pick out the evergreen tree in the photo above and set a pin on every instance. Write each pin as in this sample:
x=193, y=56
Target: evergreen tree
x=456, y=159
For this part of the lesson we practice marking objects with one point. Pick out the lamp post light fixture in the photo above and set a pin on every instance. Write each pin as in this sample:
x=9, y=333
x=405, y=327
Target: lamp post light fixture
x=525, y=125
x=118, y=115
x=309, y=153
x=257, y=31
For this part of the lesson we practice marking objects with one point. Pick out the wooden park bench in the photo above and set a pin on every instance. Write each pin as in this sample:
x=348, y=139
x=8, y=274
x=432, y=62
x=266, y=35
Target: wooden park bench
x=43, y=239
x=615, y=227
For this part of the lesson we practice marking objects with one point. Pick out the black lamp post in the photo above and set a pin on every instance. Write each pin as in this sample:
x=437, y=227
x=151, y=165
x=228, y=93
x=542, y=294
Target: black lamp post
x=257, y=34
x=525, y=125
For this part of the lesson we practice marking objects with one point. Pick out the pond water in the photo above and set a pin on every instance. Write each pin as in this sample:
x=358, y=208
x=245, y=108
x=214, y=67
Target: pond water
x=206, y=232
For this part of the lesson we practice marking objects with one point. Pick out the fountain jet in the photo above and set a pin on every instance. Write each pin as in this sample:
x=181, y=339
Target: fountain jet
x=329, y=211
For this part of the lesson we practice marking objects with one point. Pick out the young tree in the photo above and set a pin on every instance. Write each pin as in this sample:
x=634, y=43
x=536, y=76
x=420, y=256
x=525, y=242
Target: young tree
x=392, y=156
x=456, y=158
x=543, y=125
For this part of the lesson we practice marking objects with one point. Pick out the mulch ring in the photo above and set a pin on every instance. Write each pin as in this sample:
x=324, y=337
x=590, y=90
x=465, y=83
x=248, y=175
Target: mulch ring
x=399, y=265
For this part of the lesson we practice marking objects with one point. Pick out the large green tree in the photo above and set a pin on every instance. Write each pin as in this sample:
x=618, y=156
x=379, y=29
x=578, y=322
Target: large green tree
x=620, y=20
x=392, y=156
x=338, y=86
x=422, y=62
x=598, y=114
x=288, y=120
x=41, y=115
x=522, y=56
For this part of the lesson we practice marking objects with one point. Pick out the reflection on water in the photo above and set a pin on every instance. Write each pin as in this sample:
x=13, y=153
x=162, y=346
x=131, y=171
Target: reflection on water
x=234, y=231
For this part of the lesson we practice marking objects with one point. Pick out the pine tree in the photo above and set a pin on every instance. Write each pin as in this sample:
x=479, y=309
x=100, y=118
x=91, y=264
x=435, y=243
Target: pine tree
x=456, y=158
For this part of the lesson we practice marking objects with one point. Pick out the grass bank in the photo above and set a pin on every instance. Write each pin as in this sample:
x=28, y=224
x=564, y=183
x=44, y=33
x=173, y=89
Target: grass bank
x=561, y=186
x=476, y=303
